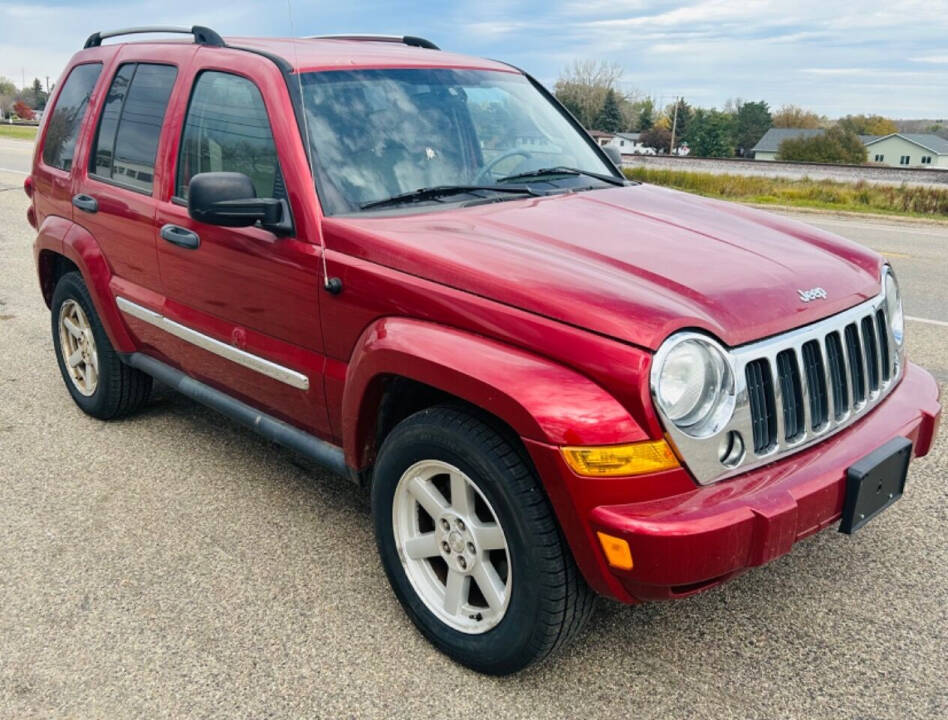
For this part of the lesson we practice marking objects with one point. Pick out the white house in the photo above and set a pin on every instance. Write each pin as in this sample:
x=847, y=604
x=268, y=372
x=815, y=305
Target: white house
x=909, y=149
x=897, y=149
x=629, y=144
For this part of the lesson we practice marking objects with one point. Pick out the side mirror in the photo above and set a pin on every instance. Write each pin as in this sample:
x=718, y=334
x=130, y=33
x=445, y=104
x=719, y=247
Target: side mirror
x=613, y=153
x=228, y=199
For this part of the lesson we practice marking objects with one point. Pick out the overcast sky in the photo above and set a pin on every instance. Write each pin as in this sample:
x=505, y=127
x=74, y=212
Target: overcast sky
x=833, y=56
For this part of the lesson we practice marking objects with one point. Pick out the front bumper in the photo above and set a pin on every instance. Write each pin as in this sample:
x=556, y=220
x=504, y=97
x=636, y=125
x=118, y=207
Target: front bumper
x=703, y=535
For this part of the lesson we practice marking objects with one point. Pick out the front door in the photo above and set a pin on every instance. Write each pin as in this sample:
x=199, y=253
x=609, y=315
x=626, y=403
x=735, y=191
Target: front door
x=243, y=300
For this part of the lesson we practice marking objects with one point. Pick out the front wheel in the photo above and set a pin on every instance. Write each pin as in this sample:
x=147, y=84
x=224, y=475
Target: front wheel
x=470, y=544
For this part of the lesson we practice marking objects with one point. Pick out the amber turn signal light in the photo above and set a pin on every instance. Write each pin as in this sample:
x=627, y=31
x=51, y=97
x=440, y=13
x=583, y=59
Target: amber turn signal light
x=617, y=551
x=619, y=460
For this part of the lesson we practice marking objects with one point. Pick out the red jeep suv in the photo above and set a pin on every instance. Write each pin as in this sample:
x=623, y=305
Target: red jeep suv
x=416, y=269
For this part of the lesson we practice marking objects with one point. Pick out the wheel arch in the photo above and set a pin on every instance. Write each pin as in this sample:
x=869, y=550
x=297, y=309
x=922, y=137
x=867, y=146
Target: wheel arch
x=402, y=365
x=62, y=246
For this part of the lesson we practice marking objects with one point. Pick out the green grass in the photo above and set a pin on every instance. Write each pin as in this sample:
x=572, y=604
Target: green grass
x=22, y=132
x=821, y=194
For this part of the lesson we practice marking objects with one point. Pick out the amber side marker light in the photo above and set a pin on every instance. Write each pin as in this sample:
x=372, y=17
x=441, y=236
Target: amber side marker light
x=617, y=551
x=619, y=460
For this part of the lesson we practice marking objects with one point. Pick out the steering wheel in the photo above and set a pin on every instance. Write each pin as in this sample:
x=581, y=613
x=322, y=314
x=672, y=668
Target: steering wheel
x=485, y=172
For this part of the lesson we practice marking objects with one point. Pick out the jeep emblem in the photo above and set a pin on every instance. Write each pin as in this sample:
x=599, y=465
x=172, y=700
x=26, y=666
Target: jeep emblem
x=816, y=293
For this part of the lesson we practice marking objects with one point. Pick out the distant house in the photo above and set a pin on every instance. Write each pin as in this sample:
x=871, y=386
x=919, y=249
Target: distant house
x=909, y=149
x=601, y=137
x=629, y=144
x=897, y=149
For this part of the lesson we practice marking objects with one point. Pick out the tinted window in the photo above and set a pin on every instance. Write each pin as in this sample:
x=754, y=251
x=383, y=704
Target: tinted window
x=131, y=124
x=105, y=138
x=63, y=127
x=227, y=129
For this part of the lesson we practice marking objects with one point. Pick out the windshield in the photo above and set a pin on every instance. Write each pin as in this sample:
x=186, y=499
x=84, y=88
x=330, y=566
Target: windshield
x=376, y=134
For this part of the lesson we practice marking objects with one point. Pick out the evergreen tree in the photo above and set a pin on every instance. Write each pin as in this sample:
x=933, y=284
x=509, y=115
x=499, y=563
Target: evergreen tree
x=609, y=118
x=751, y=120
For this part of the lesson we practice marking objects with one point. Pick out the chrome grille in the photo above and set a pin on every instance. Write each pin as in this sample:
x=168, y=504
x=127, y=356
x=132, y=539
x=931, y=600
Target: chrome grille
x=795, y=389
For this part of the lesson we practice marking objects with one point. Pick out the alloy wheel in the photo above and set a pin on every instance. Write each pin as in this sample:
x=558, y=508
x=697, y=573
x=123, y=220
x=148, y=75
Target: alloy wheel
x=452, y=546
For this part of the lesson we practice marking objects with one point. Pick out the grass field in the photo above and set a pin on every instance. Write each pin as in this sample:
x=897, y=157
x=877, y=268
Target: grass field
x=23, y=132
x=822, y=194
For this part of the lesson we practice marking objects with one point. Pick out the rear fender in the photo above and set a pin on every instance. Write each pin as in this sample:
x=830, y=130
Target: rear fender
x=63, y=237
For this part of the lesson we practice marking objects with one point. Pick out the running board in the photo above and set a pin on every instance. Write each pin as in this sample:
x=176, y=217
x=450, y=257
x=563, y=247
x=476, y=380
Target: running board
x=319, y=451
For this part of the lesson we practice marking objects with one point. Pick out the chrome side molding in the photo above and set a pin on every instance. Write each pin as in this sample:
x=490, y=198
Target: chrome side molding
x=221, y=349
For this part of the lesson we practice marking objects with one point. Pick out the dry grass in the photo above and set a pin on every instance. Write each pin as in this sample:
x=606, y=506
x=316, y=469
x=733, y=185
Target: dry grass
x=21, y=132
x=824, y=194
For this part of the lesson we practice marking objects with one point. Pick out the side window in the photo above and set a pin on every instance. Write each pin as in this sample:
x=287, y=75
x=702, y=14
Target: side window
x=127, y=140
x=63, y=127
x=227, y=129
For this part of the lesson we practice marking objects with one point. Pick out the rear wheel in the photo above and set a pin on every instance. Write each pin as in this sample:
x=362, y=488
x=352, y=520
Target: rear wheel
x=99, y=382
x=470, y=544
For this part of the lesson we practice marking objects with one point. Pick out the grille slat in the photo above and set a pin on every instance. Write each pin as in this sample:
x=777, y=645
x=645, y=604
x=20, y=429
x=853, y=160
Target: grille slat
x=883, y=328
x=837, y=367
x=857, y=374
x=871, y=351
x=791, y=395
x=816, y=384
x=760, y=395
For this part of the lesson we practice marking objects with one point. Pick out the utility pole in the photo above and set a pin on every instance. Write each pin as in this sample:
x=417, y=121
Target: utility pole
x=47, y=84
x=671, y=145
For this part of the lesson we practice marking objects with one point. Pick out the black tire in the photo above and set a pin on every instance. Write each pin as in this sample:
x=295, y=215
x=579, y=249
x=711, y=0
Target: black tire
x=549, y=599
x=120, y=389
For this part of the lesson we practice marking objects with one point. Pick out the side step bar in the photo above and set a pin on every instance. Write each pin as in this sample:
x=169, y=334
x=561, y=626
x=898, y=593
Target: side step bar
x=323, y=453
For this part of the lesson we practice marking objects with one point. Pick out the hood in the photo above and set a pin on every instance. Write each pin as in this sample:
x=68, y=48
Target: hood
x=634, y=263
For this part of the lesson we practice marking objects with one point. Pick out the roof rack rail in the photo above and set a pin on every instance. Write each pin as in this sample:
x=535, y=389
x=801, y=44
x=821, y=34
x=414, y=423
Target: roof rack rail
x=412, y=40
x=202, y=35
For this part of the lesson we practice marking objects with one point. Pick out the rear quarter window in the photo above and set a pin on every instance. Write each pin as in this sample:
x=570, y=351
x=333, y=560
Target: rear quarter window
x=130, y=126
x=62, y=130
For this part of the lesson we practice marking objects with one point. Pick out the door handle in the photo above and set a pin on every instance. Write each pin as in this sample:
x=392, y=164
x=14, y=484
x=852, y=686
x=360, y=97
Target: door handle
x=86, y=203
x=182, y=237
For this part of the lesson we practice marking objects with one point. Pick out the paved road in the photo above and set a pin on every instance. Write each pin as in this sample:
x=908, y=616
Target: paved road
x=16, y=157
x=175, y=565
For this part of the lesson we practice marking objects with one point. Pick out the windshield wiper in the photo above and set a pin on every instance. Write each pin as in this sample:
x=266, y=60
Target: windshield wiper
x=562, y=170
x=439, y=191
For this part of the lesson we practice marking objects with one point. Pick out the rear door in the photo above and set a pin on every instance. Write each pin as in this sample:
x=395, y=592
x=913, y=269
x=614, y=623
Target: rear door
x=114, y=197
x=244, y=300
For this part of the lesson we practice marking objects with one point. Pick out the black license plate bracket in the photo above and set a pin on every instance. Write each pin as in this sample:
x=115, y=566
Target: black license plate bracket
x=874, y=483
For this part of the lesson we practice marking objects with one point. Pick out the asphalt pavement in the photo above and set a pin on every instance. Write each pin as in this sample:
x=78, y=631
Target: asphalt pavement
x=176, y=565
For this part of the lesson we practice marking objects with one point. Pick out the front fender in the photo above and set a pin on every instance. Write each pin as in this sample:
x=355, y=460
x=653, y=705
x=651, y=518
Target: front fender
x=540, y=399
x=63, y=237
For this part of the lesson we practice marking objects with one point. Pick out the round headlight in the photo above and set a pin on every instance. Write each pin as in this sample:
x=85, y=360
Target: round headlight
x=694, y=385
x=893, y=307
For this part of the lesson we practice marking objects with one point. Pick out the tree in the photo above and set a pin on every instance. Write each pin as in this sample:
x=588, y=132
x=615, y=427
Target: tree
x=656, y=137
x=39, y=95
x=710, y=133
x=679, y=121
x=609, y=118
x=791, y=116
x=836, y=145
x=583, y=87
x=646, y=115
x=868, y=125
x=751, y=121
x=23, y=110
x=7, y=94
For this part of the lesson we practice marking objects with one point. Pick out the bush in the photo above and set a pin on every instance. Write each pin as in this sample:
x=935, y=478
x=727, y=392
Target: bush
x=836, y=145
